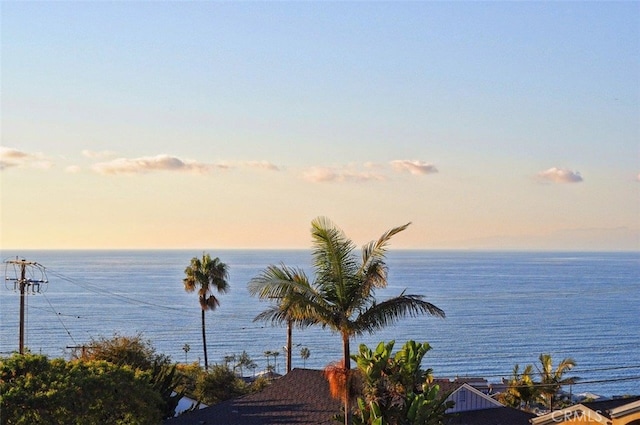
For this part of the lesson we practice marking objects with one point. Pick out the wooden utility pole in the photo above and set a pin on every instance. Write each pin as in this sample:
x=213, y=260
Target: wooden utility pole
x=24, y=284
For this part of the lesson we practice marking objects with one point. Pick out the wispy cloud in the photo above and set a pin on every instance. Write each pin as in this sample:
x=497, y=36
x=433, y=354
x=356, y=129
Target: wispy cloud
x=414, y=167
x=560, y=175
x=10, y=157
x=332, y=174
x=164, y=162
x=150, y=164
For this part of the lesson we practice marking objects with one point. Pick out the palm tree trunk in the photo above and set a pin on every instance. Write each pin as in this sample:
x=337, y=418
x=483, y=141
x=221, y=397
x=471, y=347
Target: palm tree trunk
x=346, y=351
x=347, y=365
x=289, y=344
x=204, y=344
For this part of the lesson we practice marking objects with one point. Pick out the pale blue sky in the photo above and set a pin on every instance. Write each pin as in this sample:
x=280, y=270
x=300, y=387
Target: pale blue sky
x=233, y=124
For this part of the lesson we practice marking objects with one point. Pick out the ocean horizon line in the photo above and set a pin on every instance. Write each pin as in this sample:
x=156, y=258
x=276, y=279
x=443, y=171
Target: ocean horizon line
x=389, y=250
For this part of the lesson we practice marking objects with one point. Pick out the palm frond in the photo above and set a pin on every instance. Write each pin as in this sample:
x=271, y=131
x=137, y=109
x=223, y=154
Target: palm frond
x=376, y=250
x=290, y=289
x=388, y=312
x=206, y=275
x=278, y=282
x=333, y=256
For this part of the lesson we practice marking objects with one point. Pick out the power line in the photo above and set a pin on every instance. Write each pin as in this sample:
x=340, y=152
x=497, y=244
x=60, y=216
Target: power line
x=594, y=381
x=575, y=370
x=93, y=288
x=60, y=319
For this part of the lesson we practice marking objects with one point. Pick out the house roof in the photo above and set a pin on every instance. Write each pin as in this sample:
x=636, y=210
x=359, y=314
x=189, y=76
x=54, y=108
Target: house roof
x=446, y=385
x=627, y=409
x=486, y=401
x=493, y=416
x=605, y=406
x=301, y=397
x=596, y=411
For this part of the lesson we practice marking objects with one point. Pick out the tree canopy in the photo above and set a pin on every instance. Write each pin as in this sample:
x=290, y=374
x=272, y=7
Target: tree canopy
x=35, y=390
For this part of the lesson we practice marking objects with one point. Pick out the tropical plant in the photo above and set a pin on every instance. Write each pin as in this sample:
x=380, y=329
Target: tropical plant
x=305, y=353
x=342, y=296
x=206, y=275
x=186, y=348
x=229, y=359
x=395, y=389
x=521, y=389
x=286, y=311
x=244, y=360
x=275, y=355
x=552, y=380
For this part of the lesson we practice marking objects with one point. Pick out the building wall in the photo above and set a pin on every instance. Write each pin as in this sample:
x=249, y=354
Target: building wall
x=466, y=399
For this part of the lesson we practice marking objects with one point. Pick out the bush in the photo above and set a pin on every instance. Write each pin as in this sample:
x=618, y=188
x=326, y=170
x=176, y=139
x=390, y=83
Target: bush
x=36, y=390
x=219, y=384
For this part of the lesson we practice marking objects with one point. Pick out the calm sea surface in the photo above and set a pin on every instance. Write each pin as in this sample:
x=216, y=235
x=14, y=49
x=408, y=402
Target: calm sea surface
x=502, y=308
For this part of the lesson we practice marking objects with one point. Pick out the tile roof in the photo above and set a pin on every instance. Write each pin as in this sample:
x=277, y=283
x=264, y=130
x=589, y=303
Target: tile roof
x=301, y=397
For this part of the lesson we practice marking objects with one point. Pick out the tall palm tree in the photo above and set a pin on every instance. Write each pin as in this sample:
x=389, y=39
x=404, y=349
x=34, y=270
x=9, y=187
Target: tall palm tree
x=552, y=380
x=290, y=282
x=342, y=296
x=206, y=275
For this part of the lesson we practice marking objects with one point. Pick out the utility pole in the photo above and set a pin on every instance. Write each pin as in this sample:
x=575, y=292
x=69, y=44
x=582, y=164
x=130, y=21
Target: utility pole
x=25, y=284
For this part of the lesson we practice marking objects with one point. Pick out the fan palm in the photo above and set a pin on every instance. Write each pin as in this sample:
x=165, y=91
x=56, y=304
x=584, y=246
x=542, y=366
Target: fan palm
x=206, y=275
x=342, y=296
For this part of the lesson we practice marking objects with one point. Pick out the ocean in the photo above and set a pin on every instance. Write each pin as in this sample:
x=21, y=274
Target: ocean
x=502, y=309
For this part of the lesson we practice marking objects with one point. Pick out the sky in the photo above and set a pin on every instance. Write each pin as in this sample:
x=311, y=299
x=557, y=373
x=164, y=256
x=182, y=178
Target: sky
x=223, y=125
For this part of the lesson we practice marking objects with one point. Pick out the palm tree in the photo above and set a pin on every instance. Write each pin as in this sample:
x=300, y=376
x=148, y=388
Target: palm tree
x=290, y=281
x=521, y=390
x=552, y=380
x=244, y=360
x=186, y=348
x=342, y=296
x=305, y=353
x=206, y=275
x=268, y=355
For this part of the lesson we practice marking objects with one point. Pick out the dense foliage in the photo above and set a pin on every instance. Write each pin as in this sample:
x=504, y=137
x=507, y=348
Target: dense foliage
x=139, y=354
x=36, y=390
x=134, y=351
x=118, y=380
x=217, y=384
x=525, y=392
x=395, y=390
